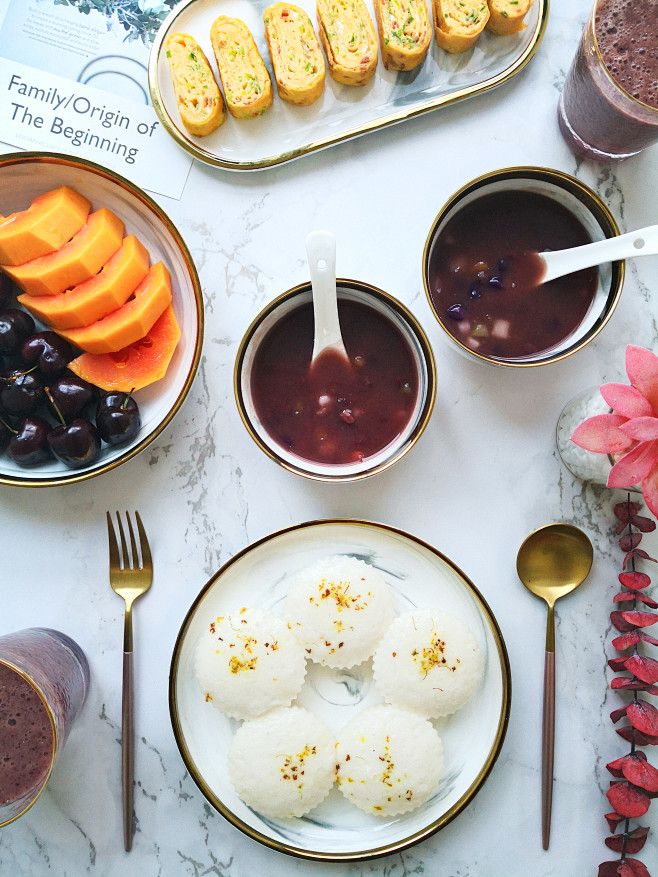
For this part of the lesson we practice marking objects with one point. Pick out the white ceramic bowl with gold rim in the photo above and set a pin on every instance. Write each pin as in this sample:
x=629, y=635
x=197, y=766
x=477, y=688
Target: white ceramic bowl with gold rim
x=25, y=175
x=592, y=213
x=401, y=319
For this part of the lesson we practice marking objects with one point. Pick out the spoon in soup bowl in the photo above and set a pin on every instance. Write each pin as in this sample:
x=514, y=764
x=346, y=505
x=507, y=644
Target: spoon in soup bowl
x=643, y=242
x=321, y=255
x=552, y=562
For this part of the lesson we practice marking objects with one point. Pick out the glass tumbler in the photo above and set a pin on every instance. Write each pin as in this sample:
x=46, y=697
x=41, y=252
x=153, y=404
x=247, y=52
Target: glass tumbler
x=608, y=109
x=44, y=679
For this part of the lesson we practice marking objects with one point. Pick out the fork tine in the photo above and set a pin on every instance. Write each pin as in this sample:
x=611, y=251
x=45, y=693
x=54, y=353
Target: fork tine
x=147, y=563
x=133, y=545
x=112, y=539
x=125, y=559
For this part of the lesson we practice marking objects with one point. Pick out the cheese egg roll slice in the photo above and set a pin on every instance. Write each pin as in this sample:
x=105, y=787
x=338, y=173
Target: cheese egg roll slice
x=506, y=16
x=404, y=32
x=198, y=98
x=245, y=80
x=295, y=52
x=458, y=23
x=348, y=39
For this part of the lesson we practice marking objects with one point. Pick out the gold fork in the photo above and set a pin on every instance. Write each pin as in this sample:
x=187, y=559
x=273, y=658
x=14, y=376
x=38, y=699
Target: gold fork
x=131, y=574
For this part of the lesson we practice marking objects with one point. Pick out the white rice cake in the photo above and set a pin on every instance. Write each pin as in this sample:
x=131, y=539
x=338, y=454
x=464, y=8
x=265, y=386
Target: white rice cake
x=249, y=662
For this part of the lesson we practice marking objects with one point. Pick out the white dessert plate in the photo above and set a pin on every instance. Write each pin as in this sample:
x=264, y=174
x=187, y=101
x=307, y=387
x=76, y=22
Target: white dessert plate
x=285, y=132
x=419, y=575
x=23, y=176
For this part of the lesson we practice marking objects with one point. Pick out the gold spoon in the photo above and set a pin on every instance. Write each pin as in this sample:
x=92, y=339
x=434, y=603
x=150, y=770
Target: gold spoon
x=552, y=562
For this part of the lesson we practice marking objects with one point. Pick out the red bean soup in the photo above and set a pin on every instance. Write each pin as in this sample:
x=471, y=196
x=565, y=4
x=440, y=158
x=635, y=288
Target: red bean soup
x=483, y=275
x=335, y=412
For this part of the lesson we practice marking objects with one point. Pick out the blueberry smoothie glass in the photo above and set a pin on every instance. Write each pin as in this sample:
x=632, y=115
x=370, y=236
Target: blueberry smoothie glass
x=44, y=679
x=608, y=109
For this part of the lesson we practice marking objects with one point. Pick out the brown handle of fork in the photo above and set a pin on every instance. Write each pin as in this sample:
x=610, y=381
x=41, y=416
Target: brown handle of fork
x=548, y=747
x=127, y=748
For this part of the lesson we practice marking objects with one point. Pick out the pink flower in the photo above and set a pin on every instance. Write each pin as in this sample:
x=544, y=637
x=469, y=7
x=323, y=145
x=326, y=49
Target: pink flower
x=630, y=433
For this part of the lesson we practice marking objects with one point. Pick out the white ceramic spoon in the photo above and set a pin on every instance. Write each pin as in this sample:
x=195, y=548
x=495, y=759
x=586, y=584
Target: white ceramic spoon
x=643, y=242
x=321, y=255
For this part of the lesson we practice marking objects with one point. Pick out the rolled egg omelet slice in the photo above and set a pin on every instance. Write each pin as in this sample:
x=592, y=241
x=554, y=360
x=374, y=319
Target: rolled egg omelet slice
x=348, y=39
x=199, y=100
x=458, y=23
x=506, y=16
x=246, y=82
x=404, y=32
x=295, y=52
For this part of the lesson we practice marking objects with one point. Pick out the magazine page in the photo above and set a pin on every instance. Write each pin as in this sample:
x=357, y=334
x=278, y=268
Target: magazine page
x=74, y=79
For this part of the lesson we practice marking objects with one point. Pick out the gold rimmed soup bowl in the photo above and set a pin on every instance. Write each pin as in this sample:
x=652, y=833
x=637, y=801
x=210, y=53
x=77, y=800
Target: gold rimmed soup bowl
x=423, y=370
x=595, y=221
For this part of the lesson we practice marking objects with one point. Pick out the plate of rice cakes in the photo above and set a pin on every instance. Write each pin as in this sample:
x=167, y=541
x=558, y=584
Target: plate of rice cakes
x=339, y=690
x=290, y=79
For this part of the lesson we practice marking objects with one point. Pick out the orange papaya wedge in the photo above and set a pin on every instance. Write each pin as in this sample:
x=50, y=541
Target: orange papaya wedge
x=50, y=220
x=77, y=260
x=131, y=321
x=97, y=297
x=136, y=365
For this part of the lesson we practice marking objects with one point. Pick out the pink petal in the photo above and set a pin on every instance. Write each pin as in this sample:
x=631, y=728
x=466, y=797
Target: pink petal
x=642, y=370
x=626, y=400
x=601, y=434
x=635, y=466
x=642, y=429
x=650, y=491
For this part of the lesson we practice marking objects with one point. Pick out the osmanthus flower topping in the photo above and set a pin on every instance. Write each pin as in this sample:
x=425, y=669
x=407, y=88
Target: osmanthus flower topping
x=635, y=780
x=630, y=433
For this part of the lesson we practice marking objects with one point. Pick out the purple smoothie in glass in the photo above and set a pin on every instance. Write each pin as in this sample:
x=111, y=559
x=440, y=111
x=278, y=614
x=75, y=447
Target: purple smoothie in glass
x=44, y=679
x=609, y=105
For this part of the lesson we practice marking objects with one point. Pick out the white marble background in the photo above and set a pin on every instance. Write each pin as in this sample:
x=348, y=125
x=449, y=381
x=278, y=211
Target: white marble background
x=484, y=475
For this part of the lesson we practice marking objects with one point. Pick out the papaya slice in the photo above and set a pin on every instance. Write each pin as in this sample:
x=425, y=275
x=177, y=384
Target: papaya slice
x=51, y=220
x=131, y=321
x=78, y=260
x=97, y=297
x=136, y=365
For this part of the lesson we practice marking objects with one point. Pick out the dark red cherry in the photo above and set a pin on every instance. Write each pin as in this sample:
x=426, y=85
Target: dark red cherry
x=48, y=351
x=78, y=444
x=28, y=445
x=15, y=326
x=71, y=394
x=21, y=392
x=117, y=417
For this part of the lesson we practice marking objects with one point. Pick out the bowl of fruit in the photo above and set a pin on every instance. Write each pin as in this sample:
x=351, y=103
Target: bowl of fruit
x=101, y=320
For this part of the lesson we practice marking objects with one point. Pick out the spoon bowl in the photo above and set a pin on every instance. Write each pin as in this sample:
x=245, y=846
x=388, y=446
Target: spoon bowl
x=643, y=242
x=552, y=562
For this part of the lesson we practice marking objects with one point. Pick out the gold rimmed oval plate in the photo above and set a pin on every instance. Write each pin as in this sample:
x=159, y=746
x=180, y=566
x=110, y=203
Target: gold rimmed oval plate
x=419, y=575
x=23, y=176
x=285, y=132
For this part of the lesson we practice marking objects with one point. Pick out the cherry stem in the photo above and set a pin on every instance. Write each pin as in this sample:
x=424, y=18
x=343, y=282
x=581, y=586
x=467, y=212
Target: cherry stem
x=55, y=406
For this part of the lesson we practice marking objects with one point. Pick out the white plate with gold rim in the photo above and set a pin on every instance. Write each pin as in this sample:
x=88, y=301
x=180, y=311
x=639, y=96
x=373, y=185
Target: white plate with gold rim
x=285, y=132
x=419, y=575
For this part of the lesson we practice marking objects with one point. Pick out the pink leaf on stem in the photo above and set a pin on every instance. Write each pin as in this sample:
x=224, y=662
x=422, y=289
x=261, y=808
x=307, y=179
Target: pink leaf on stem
x=644, y=668
x=637, y=552
x=613, y=820
x=628, y=842
x=639, y=772
x=618, y=620
x=601, y=434
x=624, y=510
x=631, y=735
x=640, y=619
x=629, y=541
x=618, y=664
x=626, y=400
x=617, y=714
x=641, y=429
x=648, y=639
x=628, y=800
x=625, y=640
x=634, y=466
x=615, y=769
x=648, y=601
x=623, y=597
x=642, y=371
x=609, y=869
x=634, y=580
x=643, y=524
x=633, y=868
x=643, y=716
x=627, y=683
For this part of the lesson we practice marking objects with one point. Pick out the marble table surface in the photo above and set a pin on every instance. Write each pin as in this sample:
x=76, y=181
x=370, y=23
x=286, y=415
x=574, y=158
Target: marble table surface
x=484, y=475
